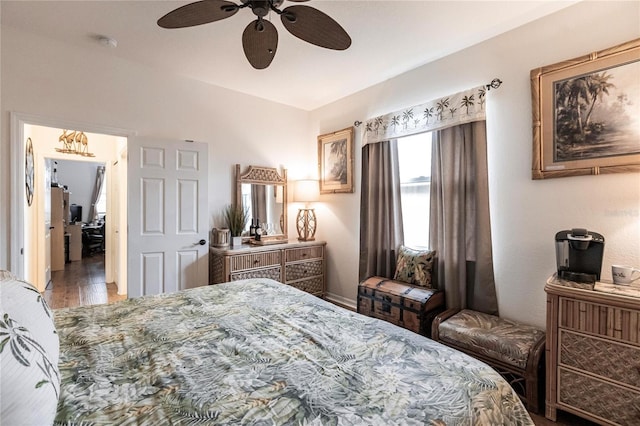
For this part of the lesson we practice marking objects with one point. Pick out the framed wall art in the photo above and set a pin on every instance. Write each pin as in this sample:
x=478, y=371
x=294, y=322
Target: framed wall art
x=586, y=114
x=335, y=161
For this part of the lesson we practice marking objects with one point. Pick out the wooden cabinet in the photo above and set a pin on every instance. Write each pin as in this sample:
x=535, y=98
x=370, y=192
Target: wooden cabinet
x=75, y=241
x=298, y=264
x=59, y=216
x=593, y=352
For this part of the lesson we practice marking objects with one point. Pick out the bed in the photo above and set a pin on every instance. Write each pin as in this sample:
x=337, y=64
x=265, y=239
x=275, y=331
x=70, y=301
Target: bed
x=260, y=352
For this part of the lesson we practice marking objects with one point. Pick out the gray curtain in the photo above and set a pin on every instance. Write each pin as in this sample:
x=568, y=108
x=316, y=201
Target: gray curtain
x=96, y=193
x=381, y=230
x=459, y=225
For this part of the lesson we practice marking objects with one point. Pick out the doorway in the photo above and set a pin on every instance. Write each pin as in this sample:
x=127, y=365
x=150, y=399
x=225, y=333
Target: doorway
x=28, y=252
x=167, y=208
x=77, y=223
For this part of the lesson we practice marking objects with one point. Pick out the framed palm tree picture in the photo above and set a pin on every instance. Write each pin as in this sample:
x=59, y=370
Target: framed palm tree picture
x=586, y=114
x=335, y=161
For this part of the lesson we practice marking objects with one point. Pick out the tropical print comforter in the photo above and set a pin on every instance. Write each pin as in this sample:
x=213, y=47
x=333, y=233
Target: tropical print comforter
x=261, y=352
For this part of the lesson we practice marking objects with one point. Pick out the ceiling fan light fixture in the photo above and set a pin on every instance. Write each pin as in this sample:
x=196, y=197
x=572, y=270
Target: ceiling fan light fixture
x=260, y=37
x=260, y=8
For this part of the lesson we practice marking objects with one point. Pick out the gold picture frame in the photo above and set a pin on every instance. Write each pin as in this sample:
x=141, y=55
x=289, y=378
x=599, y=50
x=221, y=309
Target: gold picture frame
x=335, y=161
x=586, y=114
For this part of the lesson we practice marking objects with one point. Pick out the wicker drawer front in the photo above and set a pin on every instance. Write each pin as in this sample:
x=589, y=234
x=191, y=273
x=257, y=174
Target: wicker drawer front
x=255, y=260
x=612, y=404
x=273, y=273
x=313, y=285
x=294, y=255
x=216, y=269
x=601, y=357
x=298, y=271
x=601, y=320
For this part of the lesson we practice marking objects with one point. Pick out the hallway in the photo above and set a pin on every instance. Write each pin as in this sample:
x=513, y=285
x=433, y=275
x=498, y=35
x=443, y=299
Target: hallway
x=81, y=283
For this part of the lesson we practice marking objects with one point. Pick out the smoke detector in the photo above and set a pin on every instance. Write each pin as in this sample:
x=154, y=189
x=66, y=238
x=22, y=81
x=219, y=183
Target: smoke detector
x=108, y=42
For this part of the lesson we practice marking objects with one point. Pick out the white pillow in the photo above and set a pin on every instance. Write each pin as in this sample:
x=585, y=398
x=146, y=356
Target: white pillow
x=29, y=350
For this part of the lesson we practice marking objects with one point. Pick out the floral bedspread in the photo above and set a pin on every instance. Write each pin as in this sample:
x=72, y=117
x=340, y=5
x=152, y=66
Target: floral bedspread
x=260, y=352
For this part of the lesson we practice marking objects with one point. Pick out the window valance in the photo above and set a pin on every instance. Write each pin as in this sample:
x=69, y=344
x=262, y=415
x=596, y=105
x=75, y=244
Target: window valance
x=462, y=107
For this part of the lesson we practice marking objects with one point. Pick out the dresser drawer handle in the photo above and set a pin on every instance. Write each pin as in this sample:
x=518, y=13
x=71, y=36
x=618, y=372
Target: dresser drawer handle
x=255, y=262
x=304, y=254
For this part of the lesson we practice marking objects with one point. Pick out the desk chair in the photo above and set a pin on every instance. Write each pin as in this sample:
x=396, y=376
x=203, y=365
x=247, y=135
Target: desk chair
x=92, y=240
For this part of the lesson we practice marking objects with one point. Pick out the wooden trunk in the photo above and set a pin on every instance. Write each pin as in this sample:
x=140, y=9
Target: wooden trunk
x=399, y=303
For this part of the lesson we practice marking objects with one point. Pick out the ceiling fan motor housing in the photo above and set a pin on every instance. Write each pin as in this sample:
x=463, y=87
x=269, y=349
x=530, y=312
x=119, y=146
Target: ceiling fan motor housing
x=261, y=8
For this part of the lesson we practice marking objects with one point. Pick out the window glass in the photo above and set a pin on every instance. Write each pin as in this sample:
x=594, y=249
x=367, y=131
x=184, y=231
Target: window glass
x=414, y=156
x=101, y=205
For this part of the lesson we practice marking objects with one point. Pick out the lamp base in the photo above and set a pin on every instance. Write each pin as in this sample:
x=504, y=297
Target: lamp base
x=306, y=224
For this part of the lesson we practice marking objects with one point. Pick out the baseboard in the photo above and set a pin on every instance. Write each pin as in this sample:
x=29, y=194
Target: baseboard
x=343, y=302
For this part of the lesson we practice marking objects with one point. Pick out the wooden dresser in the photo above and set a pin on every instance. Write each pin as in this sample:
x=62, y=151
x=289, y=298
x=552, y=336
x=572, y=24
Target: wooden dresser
x=298, y=264
x=593, y=352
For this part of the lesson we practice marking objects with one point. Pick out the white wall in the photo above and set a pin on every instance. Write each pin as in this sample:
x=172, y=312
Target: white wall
x=525, y=214
x=103, y=90
x=80, y=178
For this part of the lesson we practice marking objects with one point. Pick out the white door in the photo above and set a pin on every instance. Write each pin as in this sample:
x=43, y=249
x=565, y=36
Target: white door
x=47, y=222
x=167, y=213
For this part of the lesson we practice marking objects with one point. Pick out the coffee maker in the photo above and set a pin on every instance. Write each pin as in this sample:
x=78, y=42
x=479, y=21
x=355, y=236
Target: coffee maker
x=579, y=255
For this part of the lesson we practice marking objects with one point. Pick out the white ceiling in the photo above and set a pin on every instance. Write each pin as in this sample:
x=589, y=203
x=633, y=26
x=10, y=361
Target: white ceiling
x=388, y=38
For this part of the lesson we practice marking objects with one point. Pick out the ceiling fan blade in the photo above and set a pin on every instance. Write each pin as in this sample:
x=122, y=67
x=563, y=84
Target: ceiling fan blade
x=198, y=13
x=260, y=42
x=315, y=27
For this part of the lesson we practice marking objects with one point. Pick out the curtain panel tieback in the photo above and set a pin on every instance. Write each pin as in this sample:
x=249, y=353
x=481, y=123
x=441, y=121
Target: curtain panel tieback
x=463, y=107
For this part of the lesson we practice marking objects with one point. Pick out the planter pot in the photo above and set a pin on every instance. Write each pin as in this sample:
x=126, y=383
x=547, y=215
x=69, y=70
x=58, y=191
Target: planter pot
x=220, y=237
x=236, y=241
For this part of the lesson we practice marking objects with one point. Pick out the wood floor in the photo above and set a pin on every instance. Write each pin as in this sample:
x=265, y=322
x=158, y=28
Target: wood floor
x=81, y=283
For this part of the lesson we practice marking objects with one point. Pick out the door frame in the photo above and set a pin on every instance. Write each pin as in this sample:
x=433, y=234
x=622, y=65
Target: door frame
x=16, y=155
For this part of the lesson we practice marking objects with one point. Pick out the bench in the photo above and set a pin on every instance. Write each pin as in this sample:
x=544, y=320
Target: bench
x=514, y=350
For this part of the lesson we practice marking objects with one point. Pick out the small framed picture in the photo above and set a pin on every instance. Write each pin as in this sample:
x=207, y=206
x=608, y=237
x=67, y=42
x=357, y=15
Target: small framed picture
x=586, y=114
x=335, y=161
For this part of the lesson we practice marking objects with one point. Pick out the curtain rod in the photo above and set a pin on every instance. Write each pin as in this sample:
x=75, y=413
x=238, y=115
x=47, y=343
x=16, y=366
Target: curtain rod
x=495, y=83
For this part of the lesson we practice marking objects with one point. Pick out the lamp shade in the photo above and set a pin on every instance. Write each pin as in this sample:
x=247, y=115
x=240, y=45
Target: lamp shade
x=306, y=190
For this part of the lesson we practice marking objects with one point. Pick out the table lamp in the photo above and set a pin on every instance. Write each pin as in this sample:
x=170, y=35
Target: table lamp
x=306, y=191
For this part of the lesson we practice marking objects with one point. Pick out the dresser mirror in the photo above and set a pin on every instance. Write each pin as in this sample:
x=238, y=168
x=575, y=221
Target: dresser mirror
x=263, y=192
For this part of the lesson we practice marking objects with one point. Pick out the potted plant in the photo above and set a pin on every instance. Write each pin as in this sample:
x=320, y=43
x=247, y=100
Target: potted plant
x=236, y=218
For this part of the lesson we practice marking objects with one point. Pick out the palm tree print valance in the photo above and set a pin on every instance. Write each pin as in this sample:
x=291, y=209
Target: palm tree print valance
x=462, y=107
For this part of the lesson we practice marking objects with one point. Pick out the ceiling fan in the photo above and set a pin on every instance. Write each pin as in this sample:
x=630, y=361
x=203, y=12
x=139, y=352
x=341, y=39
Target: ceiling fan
x=260, y=37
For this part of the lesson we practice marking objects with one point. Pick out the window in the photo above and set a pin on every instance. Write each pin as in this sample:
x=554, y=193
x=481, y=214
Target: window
x=101, y=204
x=414, y=156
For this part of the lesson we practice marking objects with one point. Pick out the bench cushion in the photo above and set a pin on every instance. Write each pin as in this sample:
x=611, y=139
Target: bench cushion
x=494, y=337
